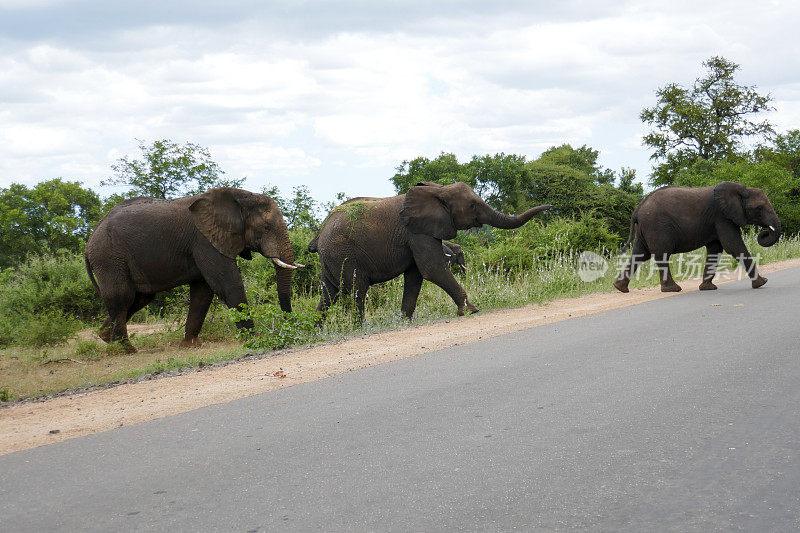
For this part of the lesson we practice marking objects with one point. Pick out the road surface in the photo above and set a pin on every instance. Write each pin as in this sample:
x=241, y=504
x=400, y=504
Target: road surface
x=678, y=414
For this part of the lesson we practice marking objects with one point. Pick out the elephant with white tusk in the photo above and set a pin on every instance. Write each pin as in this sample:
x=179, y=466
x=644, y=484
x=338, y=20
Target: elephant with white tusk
x=673, y=220
x=147, y=245
x=454, y=255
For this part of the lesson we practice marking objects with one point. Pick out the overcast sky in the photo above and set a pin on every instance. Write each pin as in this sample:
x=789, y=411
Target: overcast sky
x=335, y=95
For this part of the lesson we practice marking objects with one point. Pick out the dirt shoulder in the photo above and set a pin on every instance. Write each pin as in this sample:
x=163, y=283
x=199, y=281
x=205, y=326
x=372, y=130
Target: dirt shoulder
x=29, y=425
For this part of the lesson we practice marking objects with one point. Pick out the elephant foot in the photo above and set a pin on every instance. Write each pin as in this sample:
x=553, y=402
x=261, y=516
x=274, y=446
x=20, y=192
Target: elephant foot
x=471, y=308
x=758, y=282
x=126, y=345
x=621, y=285
x=671, y=288
x=191, y=343
x=707, y=286
x=104, y=334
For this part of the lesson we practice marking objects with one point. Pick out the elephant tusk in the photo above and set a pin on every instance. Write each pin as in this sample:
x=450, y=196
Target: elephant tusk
x=770, y=227
x=448, y=255
x=298, y=265
x=282, y=264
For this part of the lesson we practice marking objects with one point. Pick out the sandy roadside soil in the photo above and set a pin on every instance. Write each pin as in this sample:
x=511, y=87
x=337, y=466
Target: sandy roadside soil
x=29, y=425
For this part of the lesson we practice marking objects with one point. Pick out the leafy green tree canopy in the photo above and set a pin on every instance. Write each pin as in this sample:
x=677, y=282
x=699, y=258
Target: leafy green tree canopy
x=168, y=170
x=300, y=209
x=53, y=215
x=445, y=169
x=708, y=121
x=583, y=159
x=785, y=152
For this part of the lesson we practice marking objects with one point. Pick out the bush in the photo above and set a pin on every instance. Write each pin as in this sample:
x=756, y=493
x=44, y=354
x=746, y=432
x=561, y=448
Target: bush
x=274, y=328
x=45, y=299
x=523, y=248
x=51, y=282
x=49, y=326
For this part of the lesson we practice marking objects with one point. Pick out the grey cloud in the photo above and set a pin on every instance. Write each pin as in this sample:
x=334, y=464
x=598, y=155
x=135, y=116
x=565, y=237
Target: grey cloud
x=89, y=21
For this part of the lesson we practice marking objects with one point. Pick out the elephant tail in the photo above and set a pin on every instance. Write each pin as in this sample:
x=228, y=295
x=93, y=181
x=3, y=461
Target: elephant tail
x=91, y=274
x=631, y=233
x=312, y=246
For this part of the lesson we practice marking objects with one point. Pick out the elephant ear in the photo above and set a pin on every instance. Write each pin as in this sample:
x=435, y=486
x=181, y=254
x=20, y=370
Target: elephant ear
x=729, y=197
x=218, y=216
x=425, y=212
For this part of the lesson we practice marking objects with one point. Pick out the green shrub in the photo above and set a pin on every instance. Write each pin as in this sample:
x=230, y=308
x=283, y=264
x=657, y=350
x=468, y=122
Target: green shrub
x=45, y=299
x=274, y=328
x=47, y=327
x=89, y=349
x=51, y=282
x=526, y=247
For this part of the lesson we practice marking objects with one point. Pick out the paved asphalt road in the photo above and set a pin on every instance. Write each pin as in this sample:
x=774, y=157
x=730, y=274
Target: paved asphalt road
x=679, y=414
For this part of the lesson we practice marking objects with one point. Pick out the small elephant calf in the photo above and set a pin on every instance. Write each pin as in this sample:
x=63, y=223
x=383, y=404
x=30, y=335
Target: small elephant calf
x=454, y=255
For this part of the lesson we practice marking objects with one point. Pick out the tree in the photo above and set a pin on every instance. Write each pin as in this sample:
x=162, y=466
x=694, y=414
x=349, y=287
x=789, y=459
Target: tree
x=711, y=120
x=626, y=177
x=583, y=159
x=54, y=215
x=445, y=169
x=300, y=209
x=785, y=152
x=499, y=179
x=169, y=170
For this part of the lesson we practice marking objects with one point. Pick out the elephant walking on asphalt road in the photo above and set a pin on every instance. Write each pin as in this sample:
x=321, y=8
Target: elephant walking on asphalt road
x=147, y=245
x=372, y=240
x=673, y=220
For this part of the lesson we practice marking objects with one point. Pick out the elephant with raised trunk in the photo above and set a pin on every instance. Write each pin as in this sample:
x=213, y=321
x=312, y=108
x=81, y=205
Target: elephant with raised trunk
x=147, y=245
x=372, y=240
x=673, y=220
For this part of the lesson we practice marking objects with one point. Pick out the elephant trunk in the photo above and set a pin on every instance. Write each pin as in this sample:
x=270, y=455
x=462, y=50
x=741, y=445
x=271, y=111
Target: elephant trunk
x=770, y=235
x=283, y=274
x=503, y=221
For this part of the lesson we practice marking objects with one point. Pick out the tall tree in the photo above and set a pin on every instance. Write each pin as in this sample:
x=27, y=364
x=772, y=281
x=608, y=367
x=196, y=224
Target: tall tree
x=445, y=169
x=785, y=151
x=711, y=120
x=583, y=159
x=167, y=170
x=53, y=215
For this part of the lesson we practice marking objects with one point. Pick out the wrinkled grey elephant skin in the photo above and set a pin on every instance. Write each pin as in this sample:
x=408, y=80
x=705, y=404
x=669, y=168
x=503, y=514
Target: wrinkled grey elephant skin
x=372, y=240
x=673, y=220
x=147, y=245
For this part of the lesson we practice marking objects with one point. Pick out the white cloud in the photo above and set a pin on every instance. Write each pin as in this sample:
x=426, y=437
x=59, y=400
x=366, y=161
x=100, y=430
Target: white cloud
x=317, y=94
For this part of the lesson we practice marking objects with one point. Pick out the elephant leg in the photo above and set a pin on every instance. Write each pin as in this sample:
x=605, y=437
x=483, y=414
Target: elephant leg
x=429, y=259
x=200, y=296
x=139, y=302
x=732, y=242
x=360, y=288
x=713, y=254
x=412, y=283
x=118, y=300
x=225, y=280
x=328, y=296
x=639, y=254
x=667, y=283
